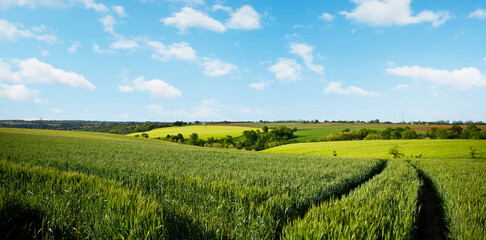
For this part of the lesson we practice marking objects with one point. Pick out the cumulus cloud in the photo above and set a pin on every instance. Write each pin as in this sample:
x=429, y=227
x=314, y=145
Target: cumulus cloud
x=286, y=70
x=245, y=18
x=381, y=13
x=156, y=88
x=189, y=17
x=258, y=86
x=180, y=51
x=18, y=92
x=10, y=32
x=119, y=10
x=336, y=88
x=326, y=17
x=216, y=67
x=305, y=52
x=34, y=71
x=124, y=44
x=479, y=13
x=464, y=78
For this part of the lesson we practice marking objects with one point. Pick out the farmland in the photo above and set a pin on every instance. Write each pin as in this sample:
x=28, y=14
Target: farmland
x=453, y=148
x=204, y=131
x=93, y=185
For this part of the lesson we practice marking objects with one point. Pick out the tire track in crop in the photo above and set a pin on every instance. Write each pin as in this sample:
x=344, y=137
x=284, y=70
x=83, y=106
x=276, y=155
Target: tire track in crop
x=337, y=195
x=430, y=223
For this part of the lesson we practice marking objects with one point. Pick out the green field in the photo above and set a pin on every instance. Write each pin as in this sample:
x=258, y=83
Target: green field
x=453, y=148
x=308, y=132
x=79, y=185
x=202, y=192
x=204, y=132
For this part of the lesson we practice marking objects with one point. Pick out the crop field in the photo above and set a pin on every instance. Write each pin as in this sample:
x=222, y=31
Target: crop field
x=452, y=148
x=392, y=196
x=206, y=193
x=461, y=184
x=79, y=185
x=204, y=132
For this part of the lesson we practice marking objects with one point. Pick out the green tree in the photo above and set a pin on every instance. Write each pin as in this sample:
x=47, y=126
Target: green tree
x=265, y=129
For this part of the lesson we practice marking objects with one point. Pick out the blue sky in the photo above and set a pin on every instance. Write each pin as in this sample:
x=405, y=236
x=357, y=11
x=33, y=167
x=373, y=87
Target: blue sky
x=168, y=60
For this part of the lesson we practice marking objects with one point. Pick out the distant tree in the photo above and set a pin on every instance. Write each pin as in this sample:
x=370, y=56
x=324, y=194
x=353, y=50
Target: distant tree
x=265, y=129
x=471, y=132
x=193, y=139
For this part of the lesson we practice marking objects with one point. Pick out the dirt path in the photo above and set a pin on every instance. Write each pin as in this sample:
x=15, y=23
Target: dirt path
x=431, y=225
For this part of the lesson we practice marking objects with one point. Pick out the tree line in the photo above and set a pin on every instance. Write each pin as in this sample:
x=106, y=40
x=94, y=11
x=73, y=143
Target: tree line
x=250, y=140
x=471, y=131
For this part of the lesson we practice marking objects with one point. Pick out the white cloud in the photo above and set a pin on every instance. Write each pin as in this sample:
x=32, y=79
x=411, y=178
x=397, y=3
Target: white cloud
x=39, y=29
x=245, y=18
x=326, y=17
x=464, y=78
x=189, y=17
x=305, y=52
x=88, y=4
x=18, y=92
x=10, y=32
x=156, y=88
x=258, y=86
x=221, y=7
x=57, y=110
x=32, y=3
x=97, y=49
x=35, y=71
x=336, y=87
x=124, y=44
x=44, y=53
x=216, y=67
x=91, y=4
x=479, y=13
x=286, y=70
x=189, y=2
x=165, y=53
x=380, y=13
x=484, y=59
x=74, y=47
x=119, y=10
x=125, y=88
x=108, y=23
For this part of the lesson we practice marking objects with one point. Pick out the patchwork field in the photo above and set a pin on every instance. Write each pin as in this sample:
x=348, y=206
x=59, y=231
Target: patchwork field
x=450, y=148
x=203, y=131
x=78, y=185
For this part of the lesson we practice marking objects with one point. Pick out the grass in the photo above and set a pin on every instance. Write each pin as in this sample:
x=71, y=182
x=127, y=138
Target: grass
x=204, y=132
x=461, y=185
x=207, y=193
x=386, y=207
x=454, y=148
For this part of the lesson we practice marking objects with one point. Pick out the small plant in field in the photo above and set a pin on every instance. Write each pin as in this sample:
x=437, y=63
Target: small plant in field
x=473, y=152
x=395, y=151
x=334, y=153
